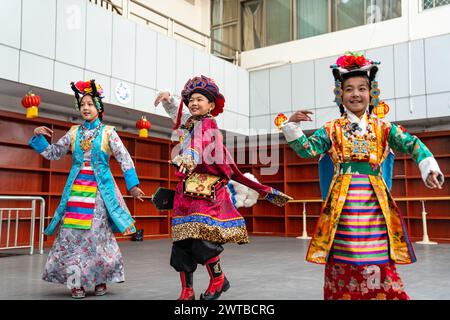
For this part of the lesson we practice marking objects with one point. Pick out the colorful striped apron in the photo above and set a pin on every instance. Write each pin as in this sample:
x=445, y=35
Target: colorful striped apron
x=361, y=236
x=81, y=204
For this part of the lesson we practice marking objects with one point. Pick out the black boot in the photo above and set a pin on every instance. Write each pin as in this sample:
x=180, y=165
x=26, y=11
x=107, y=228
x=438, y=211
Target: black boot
x=218, y=283
x=187, y=290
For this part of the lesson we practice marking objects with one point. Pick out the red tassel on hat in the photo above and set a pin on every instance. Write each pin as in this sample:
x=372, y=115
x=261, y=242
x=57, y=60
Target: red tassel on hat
x=180, y=112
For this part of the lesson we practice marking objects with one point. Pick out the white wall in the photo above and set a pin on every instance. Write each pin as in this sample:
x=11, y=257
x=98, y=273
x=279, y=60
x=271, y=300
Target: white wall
x=194, y=14
x=74, y=40
x=420, y=92
x=414, y=24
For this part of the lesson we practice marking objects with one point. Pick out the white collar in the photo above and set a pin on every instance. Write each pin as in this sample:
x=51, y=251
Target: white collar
x=361, y=122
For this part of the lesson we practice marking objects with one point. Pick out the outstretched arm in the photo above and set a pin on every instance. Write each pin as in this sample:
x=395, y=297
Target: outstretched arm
x=49, y=151
x=171, y=106
x=400, y=140
x=305, y=147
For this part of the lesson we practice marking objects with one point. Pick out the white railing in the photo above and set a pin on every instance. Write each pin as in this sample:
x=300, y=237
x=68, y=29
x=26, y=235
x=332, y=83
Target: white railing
x=136, y=10
x=425, y=238
x=7, y=217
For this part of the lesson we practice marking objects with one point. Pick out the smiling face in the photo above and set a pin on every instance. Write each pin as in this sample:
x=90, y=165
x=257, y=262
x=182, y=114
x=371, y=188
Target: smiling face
x=199, y=105
x=87, y=109
x=356, y=95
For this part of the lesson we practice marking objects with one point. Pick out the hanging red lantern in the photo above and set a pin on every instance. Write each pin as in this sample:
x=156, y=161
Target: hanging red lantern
x=31, y=103
x=381, y=110
x=143, y=125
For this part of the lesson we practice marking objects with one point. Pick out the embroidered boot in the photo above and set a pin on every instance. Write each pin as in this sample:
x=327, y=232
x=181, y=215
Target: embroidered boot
x=187, y=290
x=100, y=289
x=78, y=293
x=218, y=283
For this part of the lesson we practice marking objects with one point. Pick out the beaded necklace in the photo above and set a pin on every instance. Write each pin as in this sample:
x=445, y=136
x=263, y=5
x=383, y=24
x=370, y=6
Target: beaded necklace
x=360, y=145
x=86, y=143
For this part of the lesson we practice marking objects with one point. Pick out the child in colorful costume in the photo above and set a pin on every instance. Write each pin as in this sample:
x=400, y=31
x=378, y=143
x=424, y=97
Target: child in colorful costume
x=201, y=225
x=85, y=252
x=360, y=234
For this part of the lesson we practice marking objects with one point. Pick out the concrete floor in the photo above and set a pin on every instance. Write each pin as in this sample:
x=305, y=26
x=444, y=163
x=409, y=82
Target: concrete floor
x=267, y=268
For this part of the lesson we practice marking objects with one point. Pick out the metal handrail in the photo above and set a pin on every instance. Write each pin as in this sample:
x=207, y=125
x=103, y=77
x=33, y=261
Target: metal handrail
x=32, y=224
x=170, y=21
x=108, y=3
x=206, y=41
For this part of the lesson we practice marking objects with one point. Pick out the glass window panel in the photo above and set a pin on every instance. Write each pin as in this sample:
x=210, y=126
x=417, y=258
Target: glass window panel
x=253, y=26
x=312, y=18
x=227, y=41
x=439, y=3
x=427, y=4
x=278, y=21
x=224, y=11
x=380, y=10
x=348, y=14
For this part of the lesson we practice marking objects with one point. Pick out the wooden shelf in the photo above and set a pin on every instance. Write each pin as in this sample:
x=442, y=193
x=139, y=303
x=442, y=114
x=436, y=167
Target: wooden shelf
x=47, y=177
x=19, y=168
x=294, y=164
x=151, y=156
x=149, y=216
x=300, y=216
x=428, y=217
x=23, y=193
x=152, y=178
x=256, y=215
x=14, y=143
x=151, y=159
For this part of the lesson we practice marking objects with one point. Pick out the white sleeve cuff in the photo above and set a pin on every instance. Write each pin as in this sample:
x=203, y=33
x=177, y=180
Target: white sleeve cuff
x=291, y=130
x=426, y=166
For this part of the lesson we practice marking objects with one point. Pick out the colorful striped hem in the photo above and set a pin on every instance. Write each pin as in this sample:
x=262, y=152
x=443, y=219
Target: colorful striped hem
x=82, y=194
x=78, y=222
x=76, y=226
x=361, y=262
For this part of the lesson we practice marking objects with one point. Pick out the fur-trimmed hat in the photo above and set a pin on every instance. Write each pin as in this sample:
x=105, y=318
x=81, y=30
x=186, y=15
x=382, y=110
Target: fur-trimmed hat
x=205, y=86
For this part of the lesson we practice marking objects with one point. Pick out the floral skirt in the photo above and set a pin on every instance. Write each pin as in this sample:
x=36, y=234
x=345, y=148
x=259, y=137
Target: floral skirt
x=86, y=257
x=363, y=282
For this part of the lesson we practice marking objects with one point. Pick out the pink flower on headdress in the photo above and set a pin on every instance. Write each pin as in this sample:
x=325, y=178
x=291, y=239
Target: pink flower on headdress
x=351, y=61
x=85, y=87
x=361, y=61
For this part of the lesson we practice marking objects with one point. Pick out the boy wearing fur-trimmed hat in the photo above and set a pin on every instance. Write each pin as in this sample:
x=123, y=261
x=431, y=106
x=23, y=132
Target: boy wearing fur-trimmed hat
x=204, y=216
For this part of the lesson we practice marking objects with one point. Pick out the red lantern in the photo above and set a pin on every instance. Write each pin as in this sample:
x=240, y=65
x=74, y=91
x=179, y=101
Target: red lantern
x=143, y=125
x=381, y=110
x=31, y=103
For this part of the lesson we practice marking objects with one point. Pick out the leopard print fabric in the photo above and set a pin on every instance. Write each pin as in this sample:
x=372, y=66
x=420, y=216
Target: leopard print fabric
x=196, y=230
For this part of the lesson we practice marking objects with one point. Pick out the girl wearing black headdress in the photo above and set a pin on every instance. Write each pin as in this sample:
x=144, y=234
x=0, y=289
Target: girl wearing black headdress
x=360, y=235
x=85, y=252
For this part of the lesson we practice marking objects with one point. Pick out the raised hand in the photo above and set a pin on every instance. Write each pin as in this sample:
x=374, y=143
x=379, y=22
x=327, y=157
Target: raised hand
x=137, y=193
x=44, y=131
x=301, y=115
x=163, y=96
x=432, y=180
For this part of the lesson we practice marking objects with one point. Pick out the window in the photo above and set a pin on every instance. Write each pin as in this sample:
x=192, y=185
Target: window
x=312, y=18
x=353, y=13
x=224, y=27
x=241, y=25
x=265, y=23
x=278, y=21
x=428, y=4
